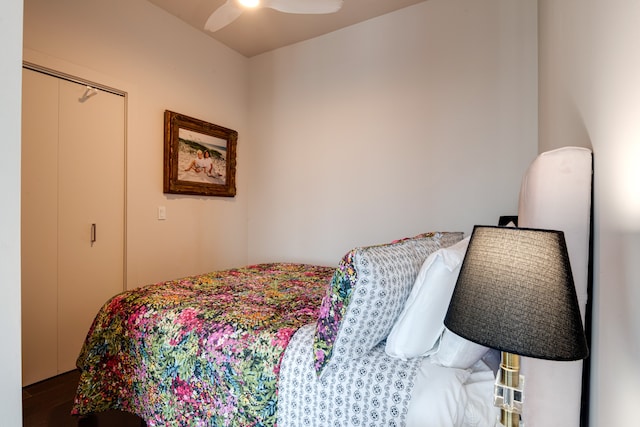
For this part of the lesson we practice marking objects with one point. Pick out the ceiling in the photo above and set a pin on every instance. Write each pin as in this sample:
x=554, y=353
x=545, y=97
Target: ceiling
x=261, y=30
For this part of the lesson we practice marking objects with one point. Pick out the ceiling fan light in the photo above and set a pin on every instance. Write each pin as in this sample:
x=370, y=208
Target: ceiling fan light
x=249, y=3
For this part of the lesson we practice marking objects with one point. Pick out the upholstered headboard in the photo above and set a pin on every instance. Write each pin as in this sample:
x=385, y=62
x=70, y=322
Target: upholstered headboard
x=556, y=194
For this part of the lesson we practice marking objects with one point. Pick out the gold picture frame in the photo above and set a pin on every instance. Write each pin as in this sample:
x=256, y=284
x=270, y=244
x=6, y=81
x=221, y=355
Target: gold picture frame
x=199, y=157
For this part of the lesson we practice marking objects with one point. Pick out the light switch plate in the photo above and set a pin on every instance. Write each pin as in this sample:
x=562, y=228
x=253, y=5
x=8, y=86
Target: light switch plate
x=162, y=212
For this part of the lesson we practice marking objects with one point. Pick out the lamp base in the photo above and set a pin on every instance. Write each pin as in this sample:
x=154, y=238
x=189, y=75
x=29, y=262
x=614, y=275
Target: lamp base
x=510, y=419
x=508, y=391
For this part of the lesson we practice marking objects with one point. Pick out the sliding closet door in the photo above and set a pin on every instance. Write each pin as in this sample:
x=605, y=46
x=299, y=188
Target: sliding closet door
x=72, y=217
x=39, y=194
x=91, y=212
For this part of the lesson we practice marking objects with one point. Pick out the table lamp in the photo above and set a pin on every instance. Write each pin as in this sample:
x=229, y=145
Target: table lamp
x=515, y=293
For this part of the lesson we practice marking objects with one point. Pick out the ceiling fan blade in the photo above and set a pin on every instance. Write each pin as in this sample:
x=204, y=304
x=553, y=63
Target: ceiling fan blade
x=304, y=6
x=223, y=16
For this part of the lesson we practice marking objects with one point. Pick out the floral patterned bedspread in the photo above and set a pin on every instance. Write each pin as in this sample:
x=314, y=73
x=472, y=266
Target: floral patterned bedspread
x=199, y=351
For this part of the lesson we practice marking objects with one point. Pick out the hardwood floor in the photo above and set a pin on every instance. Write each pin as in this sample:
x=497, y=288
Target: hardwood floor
x=48, y=404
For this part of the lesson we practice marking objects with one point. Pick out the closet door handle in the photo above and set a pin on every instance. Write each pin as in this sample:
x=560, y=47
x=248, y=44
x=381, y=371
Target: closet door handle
x=93, y=234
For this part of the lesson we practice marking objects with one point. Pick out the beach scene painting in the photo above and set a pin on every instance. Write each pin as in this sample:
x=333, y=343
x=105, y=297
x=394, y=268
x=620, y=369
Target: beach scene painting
x=199, y=157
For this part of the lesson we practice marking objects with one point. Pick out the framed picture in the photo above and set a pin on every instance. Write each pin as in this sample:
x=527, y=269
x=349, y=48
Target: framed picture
x=199, y=157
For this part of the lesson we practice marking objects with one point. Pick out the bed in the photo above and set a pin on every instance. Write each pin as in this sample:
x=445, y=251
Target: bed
x=357, y=344
x=200, y=349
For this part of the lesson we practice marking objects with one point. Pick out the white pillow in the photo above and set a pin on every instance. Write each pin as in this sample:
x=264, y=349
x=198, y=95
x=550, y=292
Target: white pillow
x=420, y=323
x=457, y=352
x=438, y=397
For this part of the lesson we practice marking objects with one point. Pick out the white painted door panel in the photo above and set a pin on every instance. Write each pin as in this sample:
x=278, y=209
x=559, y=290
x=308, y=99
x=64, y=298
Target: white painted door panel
x=91, y=191
x=39, y=210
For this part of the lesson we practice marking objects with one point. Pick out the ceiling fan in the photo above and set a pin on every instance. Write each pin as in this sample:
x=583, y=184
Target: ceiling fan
x=232, y=9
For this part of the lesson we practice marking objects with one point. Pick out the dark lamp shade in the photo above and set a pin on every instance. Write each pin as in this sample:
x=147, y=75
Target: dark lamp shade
x=515, y=293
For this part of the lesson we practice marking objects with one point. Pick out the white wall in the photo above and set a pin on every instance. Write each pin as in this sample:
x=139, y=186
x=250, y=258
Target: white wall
x=163, y=64
x=10, y=101
x=397, y=117
x=590, y=56
x=423, y=119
